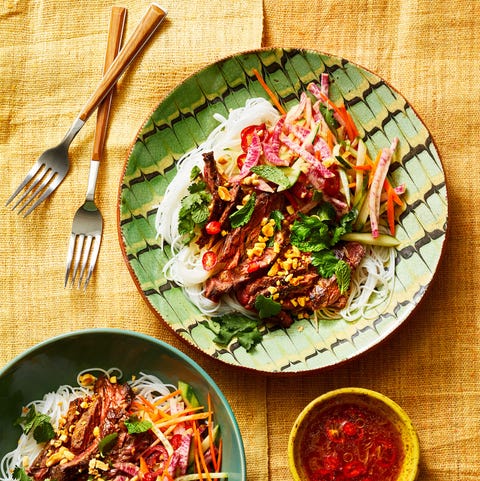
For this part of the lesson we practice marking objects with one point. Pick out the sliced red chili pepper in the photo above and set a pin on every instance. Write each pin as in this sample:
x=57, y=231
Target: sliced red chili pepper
x=241, y=160
x=213, y=227
x=209, y=260
x=247, y=134
x=387, y=454
x=353, y=469
x=253, y=266
x=350, y=429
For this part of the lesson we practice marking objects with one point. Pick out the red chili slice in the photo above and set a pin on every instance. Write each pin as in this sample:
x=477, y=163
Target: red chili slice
x=241, y=160
x=209, y=260
x=213, y=227
x=353, y=469
x=247, y=134
x=387, y=454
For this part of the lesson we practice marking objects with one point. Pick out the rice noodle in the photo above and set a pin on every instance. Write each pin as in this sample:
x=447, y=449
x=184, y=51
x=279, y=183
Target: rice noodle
x=372, y=282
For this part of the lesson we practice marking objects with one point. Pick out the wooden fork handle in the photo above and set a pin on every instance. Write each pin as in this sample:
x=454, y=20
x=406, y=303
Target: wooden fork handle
x=115, y=34
x=145, y=29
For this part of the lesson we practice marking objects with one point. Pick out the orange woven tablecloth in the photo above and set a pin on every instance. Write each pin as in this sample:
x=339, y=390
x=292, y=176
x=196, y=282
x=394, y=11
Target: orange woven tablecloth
x=51, y=55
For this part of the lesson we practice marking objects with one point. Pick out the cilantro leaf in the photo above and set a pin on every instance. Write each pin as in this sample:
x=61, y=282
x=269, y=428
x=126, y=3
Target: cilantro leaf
x=136, y=426
x=344, y=226
x=232, y=326
x=310, y=234
x=266, y=307
x=241, y=217
x=325, y=262
x=194, y=207
x=20, y=474
x=278, y=217
x=38, y=424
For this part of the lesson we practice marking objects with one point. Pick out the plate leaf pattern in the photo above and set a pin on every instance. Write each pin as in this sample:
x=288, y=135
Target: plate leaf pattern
x=185, y=118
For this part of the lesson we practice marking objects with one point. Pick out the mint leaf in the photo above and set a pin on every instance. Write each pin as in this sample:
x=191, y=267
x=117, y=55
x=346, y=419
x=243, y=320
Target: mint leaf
x=343, y=273
x=107, y=443
x=272, y=174
x=136, y=426
x=241, y=217
x=266, y=307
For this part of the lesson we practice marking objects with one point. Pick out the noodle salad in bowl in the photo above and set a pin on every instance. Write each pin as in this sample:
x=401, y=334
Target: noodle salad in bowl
x=169, y=423
x=281, y=216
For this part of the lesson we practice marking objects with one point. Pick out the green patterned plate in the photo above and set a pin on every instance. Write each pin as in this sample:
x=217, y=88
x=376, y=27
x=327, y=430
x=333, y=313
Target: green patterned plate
x=185, y=118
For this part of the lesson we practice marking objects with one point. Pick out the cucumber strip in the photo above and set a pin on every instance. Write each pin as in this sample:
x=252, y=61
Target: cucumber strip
x=366, y=238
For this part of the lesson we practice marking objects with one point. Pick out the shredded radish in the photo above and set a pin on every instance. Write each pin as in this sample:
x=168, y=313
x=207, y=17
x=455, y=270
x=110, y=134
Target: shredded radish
x=377, y=186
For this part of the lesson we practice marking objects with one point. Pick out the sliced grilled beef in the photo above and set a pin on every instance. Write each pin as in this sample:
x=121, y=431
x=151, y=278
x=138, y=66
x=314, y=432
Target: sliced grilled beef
x=89, y=420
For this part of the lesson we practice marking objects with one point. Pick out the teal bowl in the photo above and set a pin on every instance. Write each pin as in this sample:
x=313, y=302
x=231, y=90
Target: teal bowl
x=57, y=361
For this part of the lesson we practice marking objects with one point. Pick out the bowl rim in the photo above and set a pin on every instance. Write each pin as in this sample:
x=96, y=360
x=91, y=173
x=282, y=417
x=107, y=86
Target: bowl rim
x=162, y=344
x=388, y=402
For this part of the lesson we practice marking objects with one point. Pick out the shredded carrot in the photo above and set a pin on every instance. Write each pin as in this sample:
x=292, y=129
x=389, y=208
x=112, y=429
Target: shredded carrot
x=202, y=462
x=176, y=420
x=350, y=126
x=389, y=188
x=330, y=139
x=374, y=168
x=143, y=465
x=363, y=168
x=219, y=456
x=270, y=93
x=166, y=397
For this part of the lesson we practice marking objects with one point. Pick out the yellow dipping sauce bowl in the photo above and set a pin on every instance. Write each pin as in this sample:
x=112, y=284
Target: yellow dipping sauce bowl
x=353, y=433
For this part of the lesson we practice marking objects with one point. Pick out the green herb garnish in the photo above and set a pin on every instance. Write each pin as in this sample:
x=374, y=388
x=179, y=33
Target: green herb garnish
x=137, y=426
x=194, y=208
x=38, y=424
x=107, y=443
x=318, y=234
x=272, y=174
x=266, y=307
x=20, y=474
x=241, y=217
x=231, y=326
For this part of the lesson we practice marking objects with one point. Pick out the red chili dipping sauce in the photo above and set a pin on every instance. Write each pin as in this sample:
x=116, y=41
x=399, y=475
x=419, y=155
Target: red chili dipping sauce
x=350, y=442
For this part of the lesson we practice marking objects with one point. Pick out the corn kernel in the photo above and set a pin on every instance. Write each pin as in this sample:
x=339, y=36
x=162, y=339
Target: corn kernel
x=267, y=230
x=290, y=209
x=276, y=247
x=301, y=301
x=272, y=289
x=224, y=193
x=294, y=303
x=288, y=277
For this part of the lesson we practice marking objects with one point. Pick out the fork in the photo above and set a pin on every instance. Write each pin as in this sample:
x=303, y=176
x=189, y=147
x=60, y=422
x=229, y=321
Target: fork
x=88, y=222
x=52, y=166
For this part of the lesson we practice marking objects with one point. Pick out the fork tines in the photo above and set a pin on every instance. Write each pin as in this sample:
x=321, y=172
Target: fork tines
x=38, y=184
x=82, y=248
